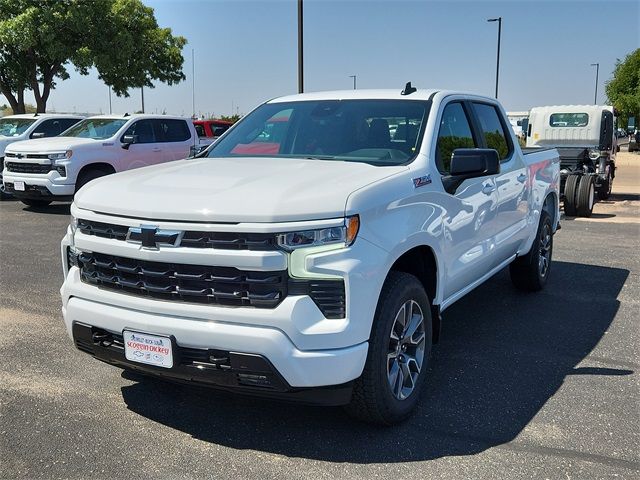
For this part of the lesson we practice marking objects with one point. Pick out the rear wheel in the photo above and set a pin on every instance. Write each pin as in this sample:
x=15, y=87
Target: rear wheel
x=35, y=203
x=531, y=271
x=399, y=350
x=586, y=196
x=570, y=193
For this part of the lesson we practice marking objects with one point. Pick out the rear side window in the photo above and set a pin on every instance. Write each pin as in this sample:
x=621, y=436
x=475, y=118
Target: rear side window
x=200, y=130
x=171, y=130
x=493, y=130
x=568, y=119
x=219, y=129
x=455, y=132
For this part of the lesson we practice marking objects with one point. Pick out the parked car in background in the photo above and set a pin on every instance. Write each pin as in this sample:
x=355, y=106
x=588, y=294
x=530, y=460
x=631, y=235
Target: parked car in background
x=309, y=252
x=15, y=128
x=43, y=170
x=634, y=141
x=209, y=130
x=585, y=137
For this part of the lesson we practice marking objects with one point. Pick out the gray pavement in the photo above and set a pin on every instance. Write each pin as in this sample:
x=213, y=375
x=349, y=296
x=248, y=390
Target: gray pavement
x=521, y=385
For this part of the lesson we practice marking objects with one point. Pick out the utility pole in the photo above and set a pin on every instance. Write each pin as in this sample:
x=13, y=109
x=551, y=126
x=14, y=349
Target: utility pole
x=193, y=82
x=142, y=95
x=109, y=99
x=354, y=80
x=499, y=20
x=300, y=50
x=595, y=97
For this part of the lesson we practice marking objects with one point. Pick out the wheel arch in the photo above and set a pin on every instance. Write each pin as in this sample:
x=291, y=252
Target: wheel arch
x=102, y=166
x=551, y=206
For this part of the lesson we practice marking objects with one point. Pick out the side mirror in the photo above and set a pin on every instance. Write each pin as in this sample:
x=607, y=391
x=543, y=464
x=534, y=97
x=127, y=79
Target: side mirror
x=470, y=163
x=127, y=141
x=38, y=135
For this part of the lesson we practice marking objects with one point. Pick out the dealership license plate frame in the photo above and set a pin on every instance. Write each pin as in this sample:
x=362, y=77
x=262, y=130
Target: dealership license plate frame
x=19, y=186
x=143, y=355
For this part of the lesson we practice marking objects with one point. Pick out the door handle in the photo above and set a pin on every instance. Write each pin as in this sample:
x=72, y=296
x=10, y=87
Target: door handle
x=488, y=188
x=522, y=177
x=156, y=149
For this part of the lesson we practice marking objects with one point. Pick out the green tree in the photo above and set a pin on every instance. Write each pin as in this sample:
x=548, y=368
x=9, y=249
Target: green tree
x=40, y=39
x=623, y=90
x=230, y=118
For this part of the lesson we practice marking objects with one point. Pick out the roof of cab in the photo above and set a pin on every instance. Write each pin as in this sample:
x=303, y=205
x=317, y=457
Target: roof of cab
x=43, y=115
x=381, y=94
x=139, y=115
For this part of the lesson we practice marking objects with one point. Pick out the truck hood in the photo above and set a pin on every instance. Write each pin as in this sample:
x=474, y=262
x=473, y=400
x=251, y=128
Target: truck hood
x=232, y=190
x=51, y=144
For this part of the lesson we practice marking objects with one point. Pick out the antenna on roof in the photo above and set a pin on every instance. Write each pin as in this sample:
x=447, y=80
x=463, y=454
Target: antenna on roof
x=126, y=114
x=35, y=114
x=408, y=89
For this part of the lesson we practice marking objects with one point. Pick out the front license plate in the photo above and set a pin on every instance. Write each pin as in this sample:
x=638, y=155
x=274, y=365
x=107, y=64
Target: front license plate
x=18, y=186
x=149, y=349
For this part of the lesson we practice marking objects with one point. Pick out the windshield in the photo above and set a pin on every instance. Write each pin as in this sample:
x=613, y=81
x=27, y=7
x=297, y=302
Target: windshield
x=96, y=128
x=12, y=127
x=379, y=132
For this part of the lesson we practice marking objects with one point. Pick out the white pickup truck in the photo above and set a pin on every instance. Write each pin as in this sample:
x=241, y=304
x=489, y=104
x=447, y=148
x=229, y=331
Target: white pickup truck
x=43, y=170
x=15, y=128
x=309, y=252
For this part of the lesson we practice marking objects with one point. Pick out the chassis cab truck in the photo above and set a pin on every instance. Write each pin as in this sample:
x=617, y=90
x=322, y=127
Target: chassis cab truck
x=584, y=135
x=309, y=252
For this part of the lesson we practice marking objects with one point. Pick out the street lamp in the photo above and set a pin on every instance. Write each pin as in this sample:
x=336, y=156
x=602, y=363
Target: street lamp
x=300, y=52
x=354, y=80
x=595, y=97
x=499, y=20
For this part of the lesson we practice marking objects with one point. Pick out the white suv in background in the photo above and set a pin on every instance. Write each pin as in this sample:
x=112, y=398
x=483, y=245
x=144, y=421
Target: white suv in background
x=15, y=128
x=43, y=170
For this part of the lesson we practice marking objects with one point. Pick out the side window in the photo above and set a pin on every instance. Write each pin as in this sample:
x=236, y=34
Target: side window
x=50, y=128
x=199, y=130
x=143, y=131
x=455, y=132
x=493, y=130
x=171, y=130
x=219, y=129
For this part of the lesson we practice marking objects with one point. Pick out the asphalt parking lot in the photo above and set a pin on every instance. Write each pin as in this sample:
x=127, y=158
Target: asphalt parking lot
x=521, y=385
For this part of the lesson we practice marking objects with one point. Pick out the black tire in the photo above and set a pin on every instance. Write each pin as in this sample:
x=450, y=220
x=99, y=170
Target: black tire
x=570, y=193
x=374, y=399
x=3, y=194
x=604, y=191
x=586, y=196
x=530, y=272
x=88, y=175
x=31, y=202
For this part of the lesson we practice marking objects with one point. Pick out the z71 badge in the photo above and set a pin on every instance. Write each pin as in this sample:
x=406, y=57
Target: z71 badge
x=421, y=181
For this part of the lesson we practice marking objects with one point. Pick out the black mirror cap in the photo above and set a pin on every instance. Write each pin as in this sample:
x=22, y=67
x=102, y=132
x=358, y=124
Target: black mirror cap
x=475, y=162
x=127, y=141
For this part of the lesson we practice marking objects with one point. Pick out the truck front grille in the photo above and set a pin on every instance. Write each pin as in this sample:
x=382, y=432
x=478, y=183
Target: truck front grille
x=191, y=239
x=189, y=283
x=18, y=167
x=210, y=285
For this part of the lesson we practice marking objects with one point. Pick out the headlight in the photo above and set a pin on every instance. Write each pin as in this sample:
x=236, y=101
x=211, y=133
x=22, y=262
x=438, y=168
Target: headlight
x=61, y=156
x=594, y=154
x=344, y=234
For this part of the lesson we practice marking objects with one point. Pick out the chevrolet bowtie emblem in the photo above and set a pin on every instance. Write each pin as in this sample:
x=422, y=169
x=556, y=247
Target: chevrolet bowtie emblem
x=150, y=237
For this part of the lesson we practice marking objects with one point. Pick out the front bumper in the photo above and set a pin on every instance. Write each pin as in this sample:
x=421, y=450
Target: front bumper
x=38, y=187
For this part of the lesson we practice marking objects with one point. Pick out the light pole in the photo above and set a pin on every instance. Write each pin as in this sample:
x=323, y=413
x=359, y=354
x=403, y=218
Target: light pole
x=142, y=97
x=109, y=99
x=499, y=20
x=354, y=80
x=595, y=97
x=300, y=50
x=193, y=83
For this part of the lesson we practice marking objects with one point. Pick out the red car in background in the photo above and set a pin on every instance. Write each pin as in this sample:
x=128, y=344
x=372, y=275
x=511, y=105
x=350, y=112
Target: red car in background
x=211, y=129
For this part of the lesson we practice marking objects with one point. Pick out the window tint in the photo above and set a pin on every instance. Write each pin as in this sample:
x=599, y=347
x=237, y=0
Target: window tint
x=568, y=120
x=169, y=130
x=268, y=136
x=68, y=123
x=493, y=130
x=142, y=130
x=455, y=132
x=200, y=130
x=219, y=129
x=50, y=128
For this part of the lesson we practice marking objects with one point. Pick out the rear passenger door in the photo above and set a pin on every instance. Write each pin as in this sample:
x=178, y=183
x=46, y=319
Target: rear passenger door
x=175, y=138
x=469, y=221
x=511, y=182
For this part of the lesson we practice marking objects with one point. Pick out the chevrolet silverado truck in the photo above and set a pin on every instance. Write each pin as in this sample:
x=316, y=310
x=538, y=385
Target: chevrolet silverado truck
x=15, y=128
x=40, y=171
x=316, y=271
x=584, y=135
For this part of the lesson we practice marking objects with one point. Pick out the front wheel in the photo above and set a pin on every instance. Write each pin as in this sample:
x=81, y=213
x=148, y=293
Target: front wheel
x=399, y=351
x=531, y=271
x=604, y=191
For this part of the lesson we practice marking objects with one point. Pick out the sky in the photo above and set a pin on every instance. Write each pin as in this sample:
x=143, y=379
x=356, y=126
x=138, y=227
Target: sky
x=246, y=51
